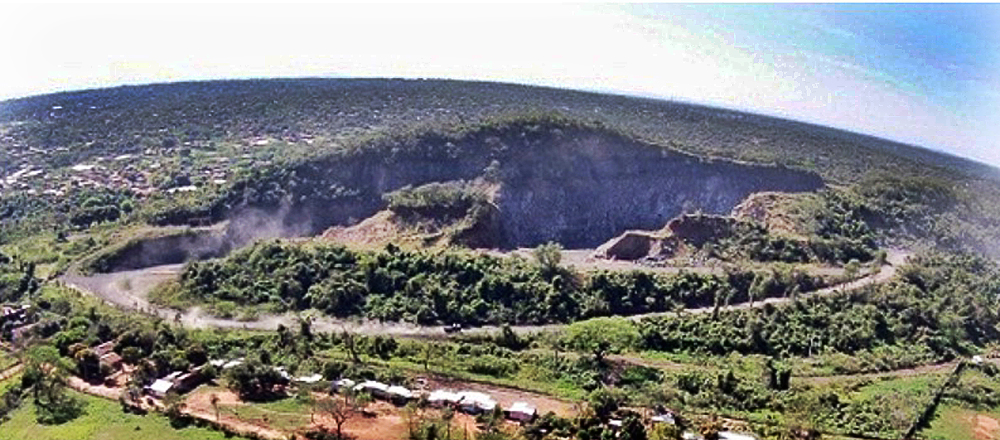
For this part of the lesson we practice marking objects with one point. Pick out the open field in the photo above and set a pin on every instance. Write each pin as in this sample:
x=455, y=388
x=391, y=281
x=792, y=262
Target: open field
x=952, y=422
x=381, y=420
x=103, y=420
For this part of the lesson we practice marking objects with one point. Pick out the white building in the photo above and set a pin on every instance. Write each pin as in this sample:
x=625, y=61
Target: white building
x=522, y=412
x=309, y=379
x=474, y=402
x=342, y=384
x=729, y=435
x=376, y=389
x=442, y=398
x=399, y=394
x=160, y=388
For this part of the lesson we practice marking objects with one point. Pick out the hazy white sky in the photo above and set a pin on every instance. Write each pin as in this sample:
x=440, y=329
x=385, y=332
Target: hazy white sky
x=924, y=74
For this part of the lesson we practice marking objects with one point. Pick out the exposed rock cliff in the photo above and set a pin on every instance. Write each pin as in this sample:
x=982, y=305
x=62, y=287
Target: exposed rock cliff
x=576, y=186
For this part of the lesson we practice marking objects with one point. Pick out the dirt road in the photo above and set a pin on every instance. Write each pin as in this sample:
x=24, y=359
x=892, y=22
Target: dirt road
x=129, y=290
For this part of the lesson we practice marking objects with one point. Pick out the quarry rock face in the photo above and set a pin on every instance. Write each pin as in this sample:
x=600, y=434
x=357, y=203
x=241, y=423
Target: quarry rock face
x=578, y=187
x=583, y=192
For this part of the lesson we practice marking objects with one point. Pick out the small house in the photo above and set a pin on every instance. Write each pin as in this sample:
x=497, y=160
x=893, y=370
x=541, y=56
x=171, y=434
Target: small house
x=521, y=412
x=103, y=349
x=342, y=384
x=112, y=360
x=159, y=388
x=443, y=398
x=377, y=390
x=667, y=418
x=311, y=379
x=474, y=402
x=399, y=395
x=188, y=381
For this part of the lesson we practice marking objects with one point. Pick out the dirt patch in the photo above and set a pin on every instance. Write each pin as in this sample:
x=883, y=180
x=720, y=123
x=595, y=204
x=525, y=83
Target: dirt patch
x=771, y=210
x=202, y=399
x=10, y=372
x=382, y=421
x=97, y=390
x=985, y=427
x=373, y=232
x=199, y=404
x=632, y=245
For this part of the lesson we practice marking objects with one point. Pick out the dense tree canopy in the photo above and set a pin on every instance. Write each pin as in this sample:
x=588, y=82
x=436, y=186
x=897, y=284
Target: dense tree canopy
x=454, y=286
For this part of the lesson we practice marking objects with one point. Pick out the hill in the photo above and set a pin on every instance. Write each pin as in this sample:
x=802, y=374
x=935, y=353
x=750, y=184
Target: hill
x=792, y=279
x=201, y=152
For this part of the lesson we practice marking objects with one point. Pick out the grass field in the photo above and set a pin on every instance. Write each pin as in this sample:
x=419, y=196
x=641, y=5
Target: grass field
x=953, y=422
x=6, y=360
x=103, y=420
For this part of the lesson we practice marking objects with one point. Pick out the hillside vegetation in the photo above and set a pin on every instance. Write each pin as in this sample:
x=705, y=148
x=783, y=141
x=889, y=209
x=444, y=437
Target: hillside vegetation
x=219, y=175
x=273, y=143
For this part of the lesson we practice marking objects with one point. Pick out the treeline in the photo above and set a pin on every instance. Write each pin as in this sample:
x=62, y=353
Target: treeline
x=429, y=287
x=946, y=304
x=752, y=241
x=17, y=278
x=447, y=200
x=129, y=119
x=23, y=215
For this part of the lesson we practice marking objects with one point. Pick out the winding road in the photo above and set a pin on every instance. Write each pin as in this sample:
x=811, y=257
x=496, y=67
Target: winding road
x=129, y=289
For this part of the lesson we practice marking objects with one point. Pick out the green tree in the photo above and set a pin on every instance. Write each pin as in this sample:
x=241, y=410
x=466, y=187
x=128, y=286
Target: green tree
x=548, y=255
x=632, y=429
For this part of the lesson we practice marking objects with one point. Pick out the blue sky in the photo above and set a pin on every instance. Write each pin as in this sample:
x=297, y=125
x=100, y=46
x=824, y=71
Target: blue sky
x=923, y=74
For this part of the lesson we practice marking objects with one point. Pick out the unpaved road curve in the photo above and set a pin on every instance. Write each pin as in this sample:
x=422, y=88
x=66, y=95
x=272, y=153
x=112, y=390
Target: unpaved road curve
x=128, y=290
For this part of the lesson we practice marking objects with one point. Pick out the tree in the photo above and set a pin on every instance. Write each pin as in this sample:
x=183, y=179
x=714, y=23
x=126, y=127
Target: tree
x=632, y=428
x=305, y=396
x=131, y=355
x=447, y=414
x=605, y=401
x=45, y=374
x=253, y=380
x=214, y=400
x=413, y=417
x=431, y=350
x=351, y=345
x=665, y=431
x=305, y=327
x=852, y=268
x=88, y=364
x=548, y=255
x=710, y=428
x=174, y=405
x=339, y=410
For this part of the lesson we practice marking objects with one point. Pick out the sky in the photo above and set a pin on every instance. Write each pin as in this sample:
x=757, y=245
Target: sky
x=922, y=74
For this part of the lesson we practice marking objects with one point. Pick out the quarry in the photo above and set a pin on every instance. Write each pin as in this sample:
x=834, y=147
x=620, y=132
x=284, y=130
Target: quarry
x=576, y=188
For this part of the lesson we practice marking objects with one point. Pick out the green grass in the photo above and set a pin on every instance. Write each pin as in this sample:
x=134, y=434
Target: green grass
x=917, y=387
x=6, y=360
x=286, y=414
x=102, y=420
x=258, y=413
x=11, y=382
x=954, y=422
